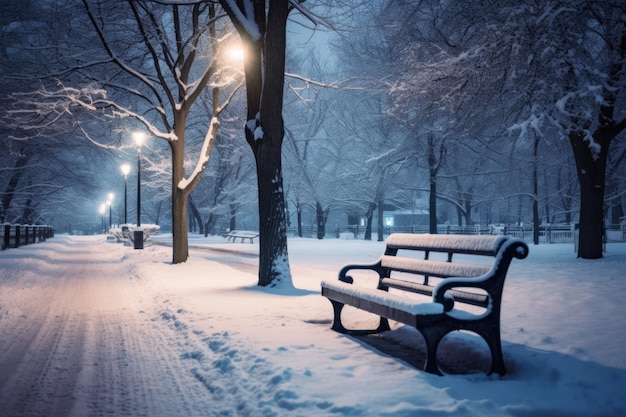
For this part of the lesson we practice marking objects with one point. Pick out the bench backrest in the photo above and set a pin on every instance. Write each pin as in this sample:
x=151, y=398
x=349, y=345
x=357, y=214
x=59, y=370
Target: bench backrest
x=490, y=275
x=448, y=244
x=475, y=245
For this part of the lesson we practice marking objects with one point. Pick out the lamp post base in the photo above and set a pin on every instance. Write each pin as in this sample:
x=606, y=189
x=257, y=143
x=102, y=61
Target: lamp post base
x=138, y=239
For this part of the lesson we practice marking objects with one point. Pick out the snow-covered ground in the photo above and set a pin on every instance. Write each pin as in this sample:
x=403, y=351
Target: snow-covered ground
x=93, y=328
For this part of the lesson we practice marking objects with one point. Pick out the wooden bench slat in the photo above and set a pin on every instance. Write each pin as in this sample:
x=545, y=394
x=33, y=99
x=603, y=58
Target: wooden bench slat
x=477, y=245
x=479, y=300
x=392, y=306
x=433, y=268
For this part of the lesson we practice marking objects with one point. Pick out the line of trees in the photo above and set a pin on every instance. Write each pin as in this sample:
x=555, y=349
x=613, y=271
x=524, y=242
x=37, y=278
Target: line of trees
x=516, y=109
x=474, y=103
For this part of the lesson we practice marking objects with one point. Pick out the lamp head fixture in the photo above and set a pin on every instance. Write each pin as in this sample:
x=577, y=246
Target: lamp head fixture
x=125, y=169
x=139, y=138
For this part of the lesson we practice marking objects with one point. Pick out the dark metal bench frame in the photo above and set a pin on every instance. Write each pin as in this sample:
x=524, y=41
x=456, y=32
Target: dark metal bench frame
x=434, y=326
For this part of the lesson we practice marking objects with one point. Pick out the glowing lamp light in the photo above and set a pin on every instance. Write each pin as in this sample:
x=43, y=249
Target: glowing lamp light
x=139, y=138
x=235, y=54
x=125, y=168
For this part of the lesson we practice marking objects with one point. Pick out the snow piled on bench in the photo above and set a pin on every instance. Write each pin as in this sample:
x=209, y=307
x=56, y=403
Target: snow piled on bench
x=447, y=242
x=383, y=297
x=434, y=268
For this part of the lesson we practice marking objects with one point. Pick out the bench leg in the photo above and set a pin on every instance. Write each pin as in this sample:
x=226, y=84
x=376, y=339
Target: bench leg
x=383, y=326
x=339, y=327
x=432, y=337
x=495, y=346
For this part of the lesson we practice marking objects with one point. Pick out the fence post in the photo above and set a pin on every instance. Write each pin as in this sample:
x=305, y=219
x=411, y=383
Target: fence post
x=6, y=241
x=17, y=237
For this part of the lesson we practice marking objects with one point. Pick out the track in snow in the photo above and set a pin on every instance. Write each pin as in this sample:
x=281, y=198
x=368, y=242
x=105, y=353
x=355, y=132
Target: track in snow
x=79, y=339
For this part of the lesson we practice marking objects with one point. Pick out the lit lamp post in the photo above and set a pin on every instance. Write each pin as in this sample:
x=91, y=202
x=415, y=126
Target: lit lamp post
x=139, y=138
x=125, y=170
x=102, y=210
x=110, y=204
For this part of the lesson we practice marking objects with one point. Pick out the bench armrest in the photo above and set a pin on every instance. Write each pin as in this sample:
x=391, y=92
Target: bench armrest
x=347, y=278
x=492, y=283
x=440, y=296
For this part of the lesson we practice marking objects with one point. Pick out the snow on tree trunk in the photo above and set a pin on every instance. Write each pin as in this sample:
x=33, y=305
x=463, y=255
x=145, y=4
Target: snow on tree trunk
x=273, y=257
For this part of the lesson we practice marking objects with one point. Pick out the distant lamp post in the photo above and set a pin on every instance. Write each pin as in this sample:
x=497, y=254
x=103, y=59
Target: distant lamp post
x=125, y=170
x=139, y=138
x=110, y=204
x=102, y=211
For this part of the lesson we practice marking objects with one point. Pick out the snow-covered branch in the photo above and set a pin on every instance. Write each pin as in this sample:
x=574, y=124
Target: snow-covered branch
x=40, y=110
x=244, y=17
x=203, y=158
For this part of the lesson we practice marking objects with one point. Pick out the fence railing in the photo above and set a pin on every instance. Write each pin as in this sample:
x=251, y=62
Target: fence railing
x=557, y=233
x=16, y=235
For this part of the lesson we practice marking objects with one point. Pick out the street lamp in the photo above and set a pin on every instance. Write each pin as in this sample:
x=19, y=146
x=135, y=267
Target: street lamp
x=139, y=138
x=102, y=210
x=125, y=170
x=110, y=204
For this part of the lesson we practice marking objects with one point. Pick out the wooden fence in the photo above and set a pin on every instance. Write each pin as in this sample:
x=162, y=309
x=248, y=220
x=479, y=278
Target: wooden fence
x=16, y=235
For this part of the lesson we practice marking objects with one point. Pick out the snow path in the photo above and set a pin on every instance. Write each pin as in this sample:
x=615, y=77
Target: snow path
x=85, y=342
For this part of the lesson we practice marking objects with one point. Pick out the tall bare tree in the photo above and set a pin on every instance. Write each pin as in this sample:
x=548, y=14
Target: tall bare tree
x=262, y=27
x=155, y=61
x=556, y=67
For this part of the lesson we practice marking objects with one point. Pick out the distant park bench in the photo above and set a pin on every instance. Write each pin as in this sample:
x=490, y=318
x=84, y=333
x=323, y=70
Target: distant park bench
x=241, y=234
x=426, y=258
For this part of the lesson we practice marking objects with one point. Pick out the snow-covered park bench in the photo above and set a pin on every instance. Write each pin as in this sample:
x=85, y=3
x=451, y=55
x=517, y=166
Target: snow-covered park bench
x=233, y=235
x=422, y=264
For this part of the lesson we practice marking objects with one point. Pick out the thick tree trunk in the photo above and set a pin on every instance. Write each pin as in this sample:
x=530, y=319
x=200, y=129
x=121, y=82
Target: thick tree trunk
x=180, y=244
x=299, y=217
x=264, y=68
x=232, y=221
x=9, y=192
x=381, y=231
x=321, y=221
x=467, y=209
x=459, y=216
x=369, y=220
x=432, y=172
x=591, y=176
x=195, y=215
x=273, y=256
x=536, y=192
x=432, y=206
